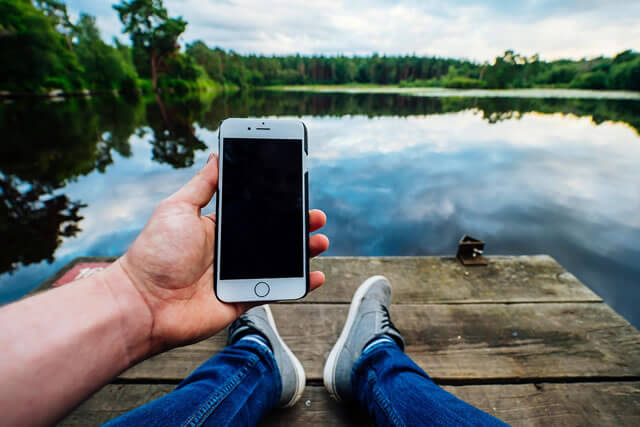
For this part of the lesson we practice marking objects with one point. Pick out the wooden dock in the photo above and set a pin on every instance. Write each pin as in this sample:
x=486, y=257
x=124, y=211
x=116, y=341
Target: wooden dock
x=521, y=338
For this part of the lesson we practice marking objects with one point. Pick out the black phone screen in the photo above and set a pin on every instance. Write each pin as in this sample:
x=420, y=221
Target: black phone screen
x=261, y=220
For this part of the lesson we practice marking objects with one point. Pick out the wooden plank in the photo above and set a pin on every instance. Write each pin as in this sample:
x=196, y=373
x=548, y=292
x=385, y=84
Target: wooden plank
x=443, y=279
x=438, y=279
x=603, y=403
x=454, y=342
x=544, y=404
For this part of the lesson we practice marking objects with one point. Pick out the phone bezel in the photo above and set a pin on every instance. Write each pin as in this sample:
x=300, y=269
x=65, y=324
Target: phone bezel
x=243, y=290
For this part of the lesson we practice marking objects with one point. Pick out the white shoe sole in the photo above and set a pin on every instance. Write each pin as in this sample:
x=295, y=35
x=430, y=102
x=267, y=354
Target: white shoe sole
x=329, y=371
x=297, y=366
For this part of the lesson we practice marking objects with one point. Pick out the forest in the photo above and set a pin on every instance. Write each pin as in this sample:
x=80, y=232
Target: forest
x=43, y=50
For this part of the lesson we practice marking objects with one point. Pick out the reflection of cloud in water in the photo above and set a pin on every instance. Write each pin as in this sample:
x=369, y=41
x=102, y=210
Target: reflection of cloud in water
x=567, y=160
x=411, y=186
x=461, y=131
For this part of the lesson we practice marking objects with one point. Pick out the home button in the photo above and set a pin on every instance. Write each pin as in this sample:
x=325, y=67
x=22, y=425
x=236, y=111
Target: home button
x=262, y=289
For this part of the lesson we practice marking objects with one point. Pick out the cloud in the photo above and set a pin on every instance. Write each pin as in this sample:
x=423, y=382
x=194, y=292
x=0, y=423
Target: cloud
x=471, y=29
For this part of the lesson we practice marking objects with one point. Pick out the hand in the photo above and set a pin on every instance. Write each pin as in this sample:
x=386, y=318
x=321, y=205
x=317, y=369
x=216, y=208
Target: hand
x=170, y=264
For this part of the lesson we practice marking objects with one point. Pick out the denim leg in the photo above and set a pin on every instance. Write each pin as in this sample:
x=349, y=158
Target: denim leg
x=238, y=386
x=395, y=391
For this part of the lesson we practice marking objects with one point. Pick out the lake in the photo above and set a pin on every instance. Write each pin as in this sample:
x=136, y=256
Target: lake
x=396, y=173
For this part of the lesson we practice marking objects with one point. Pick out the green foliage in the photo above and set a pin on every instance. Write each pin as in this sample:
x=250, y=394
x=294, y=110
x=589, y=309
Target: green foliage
x=36, y=57
x=153, y=33
x=594, y=80
x=259, y=70
x=558, y=74
x=57, y=13
x=209, y=59
x=421, y=83
x=104, y=66
x=464, y=83
x=510, y=70
x=626, y=75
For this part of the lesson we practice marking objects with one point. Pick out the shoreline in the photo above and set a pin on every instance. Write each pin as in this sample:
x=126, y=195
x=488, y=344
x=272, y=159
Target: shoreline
x=56, y=94
x=426, y=92
x=434, y=92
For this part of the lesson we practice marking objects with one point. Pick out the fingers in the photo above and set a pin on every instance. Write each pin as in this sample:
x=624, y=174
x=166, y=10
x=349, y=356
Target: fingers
x=316, y=279
x=318, y=243
x=199, y=191
x=317, y=220
x=211, y=216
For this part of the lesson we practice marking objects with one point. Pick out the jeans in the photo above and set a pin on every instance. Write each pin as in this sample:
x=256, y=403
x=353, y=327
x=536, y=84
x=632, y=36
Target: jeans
x=241, y=384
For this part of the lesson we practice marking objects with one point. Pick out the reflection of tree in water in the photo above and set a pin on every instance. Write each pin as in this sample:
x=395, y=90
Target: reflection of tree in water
x=174, y=139
x=33, y=223
x=272, y=103
x=600, y=110
x=46, y=145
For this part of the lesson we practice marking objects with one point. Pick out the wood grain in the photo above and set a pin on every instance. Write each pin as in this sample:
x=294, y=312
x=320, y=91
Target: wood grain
x=417, y=280
x=544, y=404
x=441, y=279
x=540, y=404
x=454, y=342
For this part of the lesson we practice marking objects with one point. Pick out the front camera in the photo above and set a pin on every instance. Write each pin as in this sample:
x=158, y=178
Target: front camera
x=248, y=128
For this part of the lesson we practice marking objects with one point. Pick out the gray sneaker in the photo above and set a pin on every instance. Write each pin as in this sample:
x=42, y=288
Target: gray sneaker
x=368, y=319
x=260, y=320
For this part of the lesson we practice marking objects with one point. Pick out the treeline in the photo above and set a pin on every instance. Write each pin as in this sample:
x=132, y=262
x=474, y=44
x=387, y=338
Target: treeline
x=41, y=50
x=507, y=71
x=260, y=70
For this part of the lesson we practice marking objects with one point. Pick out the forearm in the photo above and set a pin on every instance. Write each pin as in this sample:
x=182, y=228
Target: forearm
x=62, y=345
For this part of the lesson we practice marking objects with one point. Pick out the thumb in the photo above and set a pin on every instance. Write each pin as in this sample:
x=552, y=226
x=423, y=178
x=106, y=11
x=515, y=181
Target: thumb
x=201, y=188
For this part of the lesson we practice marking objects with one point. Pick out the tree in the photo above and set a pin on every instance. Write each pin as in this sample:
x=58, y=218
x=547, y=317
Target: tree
x=152, y=32
x=35, y=56
x=104, y=66
x=56, y=11
x=209, y=59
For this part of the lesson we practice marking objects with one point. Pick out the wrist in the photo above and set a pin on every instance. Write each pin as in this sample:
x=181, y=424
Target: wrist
x=134, y=316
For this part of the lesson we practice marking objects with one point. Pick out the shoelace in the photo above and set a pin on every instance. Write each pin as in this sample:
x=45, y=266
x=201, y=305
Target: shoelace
x=241, y=322
x=386, y=318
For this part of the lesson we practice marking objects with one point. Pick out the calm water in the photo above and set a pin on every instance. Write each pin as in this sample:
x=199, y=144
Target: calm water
x=396, y=175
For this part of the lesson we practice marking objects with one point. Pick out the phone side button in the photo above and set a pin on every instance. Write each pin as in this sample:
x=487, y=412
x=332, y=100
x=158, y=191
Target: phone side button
x=262, y=289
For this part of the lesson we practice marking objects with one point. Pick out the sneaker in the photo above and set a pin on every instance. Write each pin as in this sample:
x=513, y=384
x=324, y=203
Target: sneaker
x=259, y=320
x=367, y=320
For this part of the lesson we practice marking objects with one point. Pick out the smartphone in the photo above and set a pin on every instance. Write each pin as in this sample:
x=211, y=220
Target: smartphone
x=262, y=221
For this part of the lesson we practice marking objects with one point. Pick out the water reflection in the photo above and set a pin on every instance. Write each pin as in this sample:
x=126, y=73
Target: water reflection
x=397, y=175
x=174, y=138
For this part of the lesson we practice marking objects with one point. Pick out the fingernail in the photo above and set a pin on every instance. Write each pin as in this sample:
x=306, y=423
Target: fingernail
x=211, y=156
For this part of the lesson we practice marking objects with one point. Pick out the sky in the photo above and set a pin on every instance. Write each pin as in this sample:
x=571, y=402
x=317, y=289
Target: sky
x=471, y=29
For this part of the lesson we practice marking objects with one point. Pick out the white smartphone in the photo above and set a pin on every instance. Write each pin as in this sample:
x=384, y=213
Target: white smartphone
x=262, y=221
